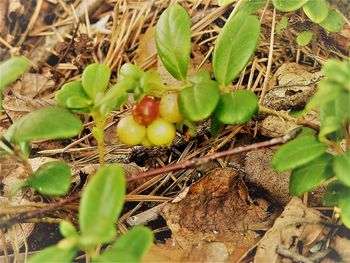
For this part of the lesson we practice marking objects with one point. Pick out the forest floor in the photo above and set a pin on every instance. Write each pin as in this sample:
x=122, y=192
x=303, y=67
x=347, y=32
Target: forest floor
x=186, y=209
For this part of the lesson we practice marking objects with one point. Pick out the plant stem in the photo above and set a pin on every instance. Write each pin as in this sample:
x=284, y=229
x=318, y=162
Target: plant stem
x=98, y=132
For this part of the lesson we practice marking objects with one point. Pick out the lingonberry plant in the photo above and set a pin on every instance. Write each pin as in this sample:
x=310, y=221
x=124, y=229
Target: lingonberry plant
x=324, y=158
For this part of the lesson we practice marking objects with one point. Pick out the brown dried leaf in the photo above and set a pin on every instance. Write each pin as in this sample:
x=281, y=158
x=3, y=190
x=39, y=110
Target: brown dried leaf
x=147, y=46
x=31, y=85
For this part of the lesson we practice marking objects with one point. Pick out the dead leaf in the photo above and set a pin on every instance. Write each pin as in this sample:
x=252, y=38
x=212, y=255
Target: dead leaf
x=31, y=85
x=213, y=210
x=298, y=225
x=147, y=46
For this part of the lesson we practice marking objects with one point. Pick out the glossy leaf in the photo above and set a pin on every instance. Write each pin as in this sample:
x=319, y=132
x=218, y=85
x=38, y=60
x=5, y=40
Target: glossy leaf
x=235, y=46
x=334, y=192
x=312, y=174
x=173, y=40
x=129, y=70
x=52, y=178
x=250, y=6
x=316, y=10
x=11, y=69
x=236, y=107
x=334, y=22
x=46, y=123
x=73, y=96
x=53, y=254
x=297, y=153
x=100, y=206
x=342, y=168
x=95, y=79
x=67, y=229
x=198, y=102
x=151, y=81
x=345, y=209
x=304, y=38
x=288, y=5
x=134, y=243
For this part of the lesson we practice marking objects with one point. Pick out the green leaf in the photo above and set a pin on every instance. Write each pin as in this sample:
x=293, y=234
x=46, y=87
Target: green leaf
x=95, y=79
x=52, y=178
x=67, y=229
x=297, y=153
x=236, y=107
x=136, y=242
x=198, y=102
x=281, y=25
x=117, y=256
x=47, y=123
x=304, y=38
x=53, y=254
x=334, y=192
x=250, y=6
x=73, y=96
x=316, y=10
x=342, y=168
x=344, y=205
x=224, y=2
x=11, y=69
x=334, y=22
x=310, y=175
x=129, y=70
x=101, y=204
x=288, y=5
x=338, y=71
x=150, y=82
x=173, y=40
x=330, y=125
x=235, y=46
x=327, y=90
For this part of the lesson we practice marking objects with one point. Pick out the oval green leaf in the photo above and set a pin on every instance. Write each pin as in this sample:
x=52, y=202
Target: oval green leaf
x=304, y=38
x=11, y=69
x=334, y=22
x=47, y=123
x=199, y=101
x=236, y=107
x=288, y=5
x=101, y=204
x=235, y=46
x=67, y=229
x=136, y=242
x=316, y=10
x=342, y=168
x=250, y=6
x=173, y=40
x=52, y=178
x=345, y=209
x=334, y=192
x=307, y=177
x=338, y=71
x=297, y=153
x=73, y=96
x=129, y=70
x=53, y=254
x=95, y=79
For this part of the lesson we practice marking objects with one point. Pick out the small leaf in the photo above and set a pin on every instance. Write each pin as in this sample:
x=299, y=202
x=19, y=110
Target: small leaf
x=116, y=255
x=307, y=177
x=330, y=125
x=338, y=71
x=73, y=96
x=67, y=229
x=297, y=153
x=333, y=193
x=47, y=123
x=198, y=102
x=52, y=178
x=288, y=5
x=53, y=254
x=281, y=25
x=304, y=38
x=236, y=107
x=136, y=242
x=151, y=81
x=11, y=69
x=95, y=79
x=334, y=22
x=230, y=53
x=101, y=204
x=342, y=168
x=344, y=206
x=250, y=6
x=173, y=39
x=129, y=70
x=316, y=10
x=224, y=2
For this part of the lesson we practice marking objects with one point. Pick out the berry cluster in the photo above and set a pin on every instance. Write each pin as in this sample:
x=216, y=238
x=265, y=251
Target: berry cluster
x=152, y=121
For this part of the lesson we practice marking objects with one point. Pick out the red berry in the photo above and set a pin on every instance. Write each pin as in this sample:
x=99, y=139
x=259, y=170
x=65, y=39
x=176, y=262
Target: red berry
x=146, y=110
